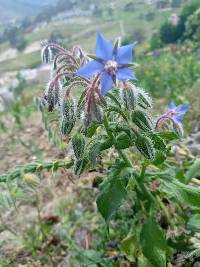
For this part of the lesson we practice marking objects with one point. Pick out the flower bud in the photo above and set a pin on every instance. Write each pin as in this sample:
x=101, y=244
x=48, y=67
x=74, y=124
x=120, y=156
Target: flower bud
x=68, y=117
x=129, y=96
x=93, y=152
x=79, y=166
x=145, y=146
x=144, y=100
x=178, y=128
x=78, y=144
x=142, y=120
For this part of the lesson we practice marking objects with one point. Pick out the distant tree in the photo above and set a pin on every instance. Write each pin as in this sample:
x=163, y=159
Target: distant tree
x=170, y=33
x=15, y=37
x=25, y=24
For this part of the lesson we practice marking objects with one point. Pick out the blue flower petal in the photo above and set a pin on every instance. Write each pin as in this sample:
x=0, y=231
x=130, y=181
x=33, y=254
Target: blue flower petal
x=90, y=69
x=125, y=74
x=172, y=106
x=183, y=109
x=124, y=54
x=104, y=48
x=106, y=83
x=178, y=117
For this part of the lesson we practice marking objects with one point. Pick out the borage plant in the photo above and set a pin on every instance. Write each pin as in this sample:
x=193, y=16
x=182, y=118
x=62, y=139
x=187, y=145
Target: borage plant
x=109, y=124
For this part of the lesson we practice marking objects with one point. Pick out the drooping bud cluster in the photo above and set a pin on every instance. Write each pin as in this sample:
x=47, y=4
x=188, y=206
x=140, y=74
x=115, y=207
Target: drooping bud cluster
x=172, y=118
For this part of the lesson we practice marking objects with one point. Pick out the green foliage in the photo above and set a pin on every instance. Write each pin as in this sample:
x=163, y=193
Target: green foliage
x=193, y=171
x=194, y=223
x=129, y=247
x=156, y=42
x=167, y=75
x=189, y=9
x=113, y=190
x=184, y=194
x=192, y=26
x=153, y=242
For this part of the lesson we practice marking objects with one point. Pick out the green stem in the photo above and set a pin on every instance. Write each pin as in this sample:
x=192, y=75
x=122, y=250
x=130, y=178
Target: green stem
x=35, y=167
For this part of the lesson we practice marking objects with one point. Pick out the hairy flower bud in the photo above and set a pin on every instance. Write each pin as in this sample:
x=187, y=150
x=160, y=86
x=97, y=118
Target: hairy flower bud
x=144, y=100
x=145, y=145
x=129, y=96
x=95, y=113
x=142, y=120
x=178, y=128
x=78, y=144
x=79, y=166
x=68, y=116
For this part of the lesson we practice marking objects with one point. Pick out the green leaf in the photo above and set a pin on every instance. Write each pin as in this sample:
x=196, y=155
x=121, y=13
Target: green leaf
x=160, y=157
x=93, y=152
x=123, y=141
x=110, y=198
x=153, y=242
x=193, y=171
x=91, y=130
x=169, y=136
x=185, y=194
x=158, y=142
x=105, y=143
x=128, y=247
x=194, y=222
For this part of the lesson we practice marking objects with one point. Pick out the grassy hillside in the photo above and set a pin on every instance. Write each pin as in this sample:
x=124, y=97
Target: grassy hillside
x=117, y=19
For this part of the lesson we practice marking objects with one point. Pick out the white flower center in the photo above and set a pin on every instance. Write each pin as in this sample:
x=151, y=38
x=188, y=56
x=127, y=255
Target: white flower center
x=111, y=67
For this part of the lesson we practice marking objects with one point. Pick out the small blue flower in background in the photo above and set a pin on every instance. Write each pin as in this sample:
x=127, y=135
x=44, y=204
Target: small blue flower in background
x=176, y=113
x=111, y=62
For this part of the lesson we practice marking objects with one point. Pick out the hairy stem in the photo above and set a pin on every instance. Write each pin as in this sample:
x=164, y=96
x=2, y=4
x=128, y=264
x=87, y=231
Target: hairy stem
x=35, y=167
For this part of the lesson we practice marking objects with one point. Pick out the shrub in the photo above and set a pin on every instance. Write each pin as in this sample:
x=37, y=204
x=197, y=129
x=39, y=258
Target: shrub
x=170, y=33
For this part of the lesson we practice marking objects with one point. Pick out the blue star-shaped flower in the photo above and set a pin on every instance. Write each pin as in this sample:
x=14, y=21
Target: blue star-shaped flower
x=111, y=62
x=176, y=113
